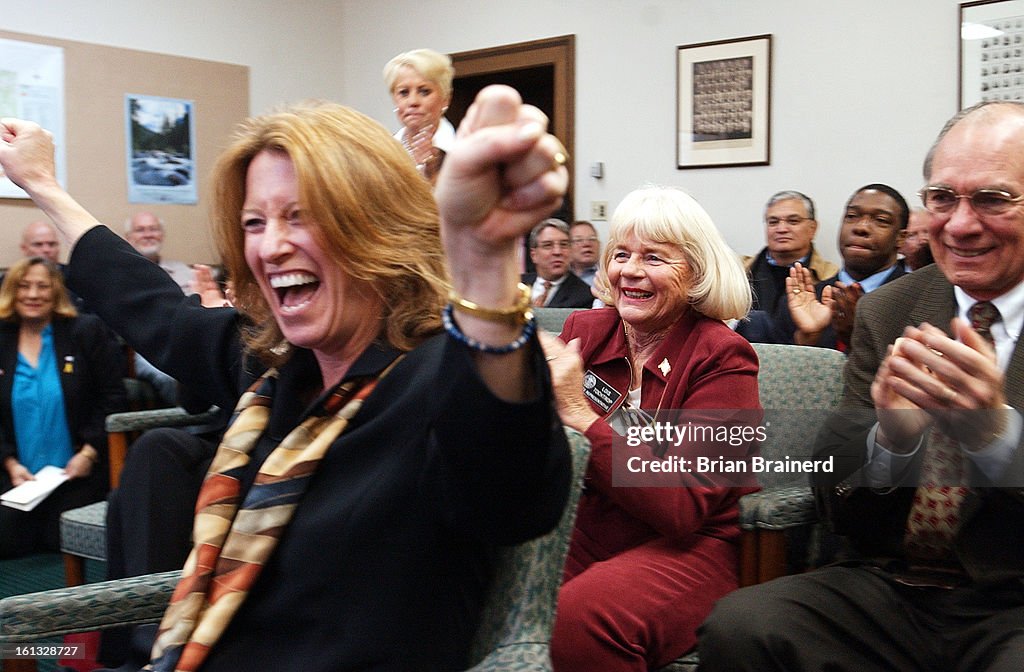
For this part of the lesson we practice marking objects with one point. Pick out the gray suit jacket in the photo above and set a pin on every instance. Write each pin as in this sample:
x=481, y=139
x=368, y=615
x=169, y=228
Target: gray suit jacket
x=988, y=543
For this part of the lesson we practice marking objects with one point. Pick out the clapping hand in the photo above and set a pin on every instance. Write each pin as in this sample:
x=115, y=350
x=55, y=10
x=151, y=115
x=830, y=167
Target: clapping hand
x=844, y=307
x=955, y=383
x=810, y=315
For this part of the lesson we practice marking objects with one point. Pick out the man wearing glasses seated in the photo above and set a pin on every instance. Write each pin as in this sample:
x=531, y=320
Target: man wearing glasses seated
x=586, y=250
x=928, y=484
x=554, y=285
x=790, y=226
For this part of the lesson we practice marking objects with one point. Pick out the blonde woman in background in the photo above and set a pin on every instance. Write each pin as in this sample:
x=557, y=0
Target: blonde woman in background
x=420, y=82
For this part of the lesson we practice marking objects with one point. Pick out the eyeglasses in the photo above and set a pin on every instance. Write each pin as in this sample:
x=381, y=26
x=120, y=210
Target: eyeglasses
x=790, y=221
x=992, y=202
x=581, y=241
x=549, y=245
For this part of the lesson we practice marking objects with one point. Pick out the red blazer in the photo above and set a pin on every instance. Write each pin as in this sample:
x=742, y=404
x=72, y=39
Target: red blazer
x=709, y=367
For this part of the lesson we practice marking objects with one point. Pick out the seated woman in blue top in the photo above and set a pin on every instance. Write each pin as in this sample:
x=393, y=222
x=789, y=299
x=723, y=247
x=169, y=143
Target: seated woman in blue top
x=59, y=378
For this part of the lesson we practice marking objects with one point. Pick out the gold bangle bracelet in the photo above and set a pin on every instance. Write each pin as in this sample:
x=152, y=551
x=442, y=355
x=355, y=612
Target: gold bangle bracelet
x=520, y=313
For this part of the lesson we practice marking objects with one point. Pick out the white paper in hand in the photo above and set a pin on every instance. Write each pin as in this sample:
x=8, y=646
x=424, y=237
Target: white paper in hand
x=29, y=494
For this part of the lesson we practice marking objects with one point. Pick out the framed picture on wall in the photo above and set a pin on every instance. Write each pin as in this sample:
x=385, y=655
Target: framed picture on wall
x=991, y=51
x=160, y=142
x=723, y=103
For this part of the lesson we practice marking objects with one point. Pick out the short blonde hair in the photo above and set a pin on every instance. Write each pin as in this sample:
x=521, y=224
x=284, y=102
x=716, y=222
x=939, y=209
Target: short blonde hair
x=374, y=215
x=668, y=215
x=62, y=305
x=430, y=64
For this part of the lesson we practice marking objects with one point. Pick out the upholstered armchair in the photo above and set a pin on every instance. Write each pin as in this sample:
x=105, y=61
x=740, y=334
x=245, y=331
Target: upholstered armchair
x=798, y=387
x=83, y=531
x=514, y=634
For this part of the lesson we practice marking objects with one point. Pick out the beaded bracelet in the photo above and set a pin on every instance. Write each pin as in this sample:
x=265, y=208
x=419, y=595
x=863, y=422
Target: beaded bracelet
x=529, y=329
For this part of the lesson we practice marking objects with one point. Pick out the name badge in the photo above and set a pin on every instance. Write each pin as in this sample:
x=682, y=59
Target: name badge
x=69, y=364
x=600, y=392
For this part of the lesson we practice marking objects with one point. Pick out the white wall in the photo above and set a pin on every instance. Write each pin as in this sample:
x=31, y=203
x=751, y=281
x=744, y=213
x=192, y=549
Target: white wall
x=859, y=88
x=292, y=47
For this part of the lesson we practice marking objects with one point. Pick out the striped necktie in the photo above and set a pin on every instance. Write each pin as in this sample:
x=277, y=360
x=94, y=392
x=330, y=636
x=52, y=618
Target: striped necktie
x=543, y=298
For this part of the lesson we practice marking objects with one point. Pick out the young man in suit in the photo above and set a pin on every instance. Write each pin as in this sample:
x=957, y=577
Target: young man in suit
x=937, y=578
x=554, y=285
x=873, y=228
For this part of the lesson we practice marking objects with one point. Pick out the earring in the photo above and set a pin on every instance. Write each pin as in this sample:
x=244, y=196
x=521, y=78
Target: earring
x=395, y=110
x=444, y=109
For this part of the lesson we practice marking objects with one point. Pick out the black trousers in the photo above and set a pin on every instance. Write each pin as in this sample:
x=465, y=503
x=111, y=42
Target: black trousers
x=149, y=516
x=25, y=532
x=860, y=619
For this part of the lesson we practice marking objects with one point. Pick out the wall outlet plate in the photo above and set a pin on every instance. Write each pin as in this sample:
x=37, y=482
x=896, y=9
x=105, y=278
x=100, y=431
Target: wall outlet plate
x=599, y=210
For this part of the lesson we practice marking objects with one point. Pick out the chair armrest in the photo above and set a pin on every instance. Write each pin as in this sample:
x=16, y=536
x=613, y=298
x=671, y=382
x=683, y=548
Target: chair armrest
x=520, y=656
x=778, y=508
x=137, y=421
x=94, y=606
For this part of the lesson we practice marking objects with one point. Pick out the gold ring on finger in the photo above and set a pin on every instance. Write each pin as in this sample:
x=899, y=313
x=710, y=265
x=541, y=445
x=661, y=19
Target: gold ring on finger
x=559, y=158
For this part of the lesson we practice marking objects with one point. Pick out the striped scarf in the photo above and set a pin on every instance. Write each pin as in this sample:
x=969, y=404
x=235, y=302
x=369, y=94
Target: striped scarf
x=231, y=543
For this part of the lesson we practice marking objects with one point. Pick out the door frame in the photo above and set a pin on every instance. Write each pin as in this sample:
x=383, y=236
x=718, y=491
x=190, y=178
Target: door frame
x=558, y=52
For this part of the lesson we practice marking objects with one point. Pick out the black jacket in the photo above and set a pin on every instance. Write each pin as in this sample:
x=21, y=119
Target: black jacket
x=89, y=363
x=385, y=562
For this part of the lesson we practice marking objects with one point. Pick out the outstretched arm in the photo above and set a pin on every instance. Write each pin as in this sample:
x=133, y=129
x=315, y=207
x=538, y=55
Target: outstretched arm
x=26, y=157
x=504, y=174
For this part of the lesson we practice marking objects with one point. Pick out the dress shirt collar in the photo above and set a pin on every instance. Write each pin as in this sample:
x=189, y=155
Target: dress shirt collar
x=870, y=283
x=771, y=260
x=1006, y=331
x=538, y=287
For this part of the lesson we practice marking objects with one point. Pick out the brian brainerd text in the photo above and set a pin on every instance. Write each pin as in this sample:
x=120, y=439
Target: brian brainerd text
x=727, y=465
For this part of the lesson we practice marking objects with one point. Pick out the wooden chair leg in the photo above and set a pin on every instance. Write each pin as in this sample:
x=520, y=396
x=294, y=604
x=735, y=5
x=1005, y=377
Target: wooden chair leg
x=748, y=557
x=19, y=665
x=771, y=555
x=117, y=452
x=74, y=569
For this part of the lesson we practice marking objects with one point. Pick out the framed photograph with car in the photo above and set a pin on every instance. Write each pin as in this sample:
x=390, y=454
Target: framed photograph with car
x=723, y=103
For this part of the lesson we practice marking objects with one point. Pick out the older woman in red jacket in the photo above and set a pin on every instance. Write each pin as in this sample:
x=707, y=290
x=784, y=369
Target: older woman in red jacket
x=647, y=562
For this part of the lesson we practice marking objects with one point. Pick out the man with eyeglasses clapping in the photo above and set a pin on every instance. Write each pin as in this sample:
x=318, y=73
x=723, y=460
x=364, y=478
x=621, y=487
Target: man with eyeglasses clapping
x=928, y=484
x=790, y=226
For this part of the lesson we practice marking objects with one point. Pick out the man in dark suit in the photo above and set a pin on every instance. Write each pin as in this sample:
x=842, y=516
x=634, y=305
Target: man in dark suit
x=554, y=285
x=873, y=228
x=936, y=581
